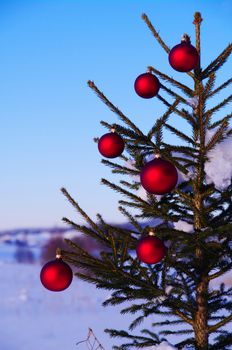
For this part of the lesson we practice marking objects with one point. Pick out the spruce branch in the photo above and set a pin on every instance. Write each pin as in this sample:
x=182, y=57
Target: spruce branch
x=157, y=128
x=133, y=221
x=188, y=200
x=123, y=131
x=183, y=316
x=124, y=192
x=132, y=186
x=221, y=87
x=113, y=108
x=222, y=342
x=119, y=168
x=94, y=280
x=220, y=324
x=218, y=62
x=189, y=118
x=189, y=92
x=217, y=107
x=84, y=260
x=168, y=322
x=180, y=332
x=217, y=137
x=138, y=202
x=136, y=322
x=173, y=94
x=187, y=342
x=81, y=211
x=124, y=252
x=158, y=38
x=86, y=230
x=132, y=205
x=137, y=341
x=183, y=113
x=221, y=121
x=197, y=22
x=180, y=134
x=155, y=33
x=221, y=272
x=209, y=85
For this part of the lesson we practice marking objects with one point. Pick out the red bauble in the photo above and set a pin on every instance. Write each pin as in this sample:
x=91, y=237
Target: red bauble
x=56, y=275
x=159, y=176
x=147, y=85
x=184, y=57
x=150, y=250
x=111, y=145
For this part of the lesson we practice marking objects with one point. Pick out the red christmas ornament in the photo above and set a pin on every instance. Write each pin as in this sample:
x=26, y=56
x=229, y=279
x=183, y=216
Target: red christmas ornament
x=184, y=57
x=111, y=145
x=150, y=249
x=56, y=275
x=159, y=176
x=147, y=85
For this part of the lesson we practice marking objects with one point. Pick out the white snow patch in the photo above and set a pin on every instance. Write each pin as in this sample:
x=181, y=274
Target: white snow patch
x=219, y=168
x=183, y=226
x=162, y=346
x=193, y=102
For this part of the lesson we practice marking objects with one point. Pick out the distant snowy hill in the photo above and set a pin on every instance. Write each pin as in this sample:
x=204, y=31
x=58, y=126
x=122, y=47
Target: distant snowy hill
x=32, y=240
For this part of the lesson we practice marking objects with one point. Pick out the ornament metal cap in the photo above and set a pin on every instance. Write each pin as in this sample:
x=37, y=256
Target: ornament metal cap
x=58, y=253
x=157, y=155
x=112, y=130
x=151, y=232
x=185, y=38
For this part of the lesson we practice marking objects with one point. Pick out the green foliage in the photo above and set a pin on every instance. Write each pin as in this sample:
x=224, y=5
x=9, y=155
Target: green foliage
x=176, y=294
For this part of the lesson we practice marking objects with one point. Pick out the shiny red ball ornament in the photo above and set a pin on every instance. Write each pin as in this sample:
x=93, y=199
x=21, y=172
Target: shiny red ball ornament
x=147, y=85
x=159, y=176
x=56, y=275
x=150, y=250
x=111, y=145
x=184, y=57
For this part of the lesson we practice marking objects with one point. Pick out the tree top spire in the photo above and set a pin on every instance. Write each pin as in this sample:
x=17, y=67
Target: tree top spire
x=197, y=18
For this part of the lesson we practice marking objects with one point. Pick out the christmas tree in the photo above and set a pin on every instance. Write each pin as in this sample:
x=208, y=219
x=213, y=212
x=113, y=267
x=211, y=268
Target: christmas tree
x=156, y=266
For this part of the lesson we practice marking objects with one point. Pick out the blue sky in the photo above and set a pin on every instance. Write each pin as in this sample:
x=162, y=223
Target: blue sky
x=49, y=116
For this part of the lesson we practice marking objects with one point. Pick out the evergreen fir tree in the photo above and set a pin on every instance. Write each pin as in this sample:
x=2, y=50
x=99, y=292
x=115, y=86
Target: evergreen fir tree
x=179, y=287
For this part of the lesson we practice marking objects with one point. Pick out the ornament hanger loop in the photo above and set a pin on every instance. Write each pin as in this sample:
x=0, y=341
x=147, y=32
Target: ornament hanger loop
x=58, y=253
x=185, y=38
x=152, y=232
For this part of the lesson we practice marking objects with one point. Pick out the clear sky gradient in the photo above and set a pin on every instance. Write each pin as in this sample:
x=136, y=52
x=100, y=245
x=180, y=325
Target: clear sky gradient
x=49, y=116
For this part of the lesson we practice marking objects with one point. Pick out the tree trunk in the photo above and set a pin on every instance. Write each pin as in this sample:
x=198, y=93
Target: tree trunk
x=201, y=317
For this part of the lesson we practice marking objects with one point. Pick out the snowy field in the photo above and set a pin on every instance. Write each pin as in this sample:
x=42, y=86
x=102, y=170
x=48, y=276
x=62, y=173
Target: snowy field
x=34, y=318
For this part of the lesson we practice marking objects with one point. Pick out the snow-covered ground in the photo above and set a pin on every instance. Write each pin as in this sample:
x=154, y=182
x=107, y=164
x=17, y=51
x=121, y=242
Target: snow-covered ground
x=32, y=317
